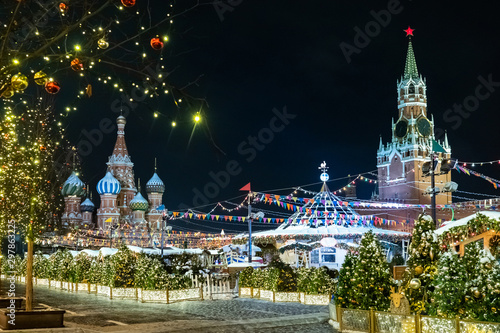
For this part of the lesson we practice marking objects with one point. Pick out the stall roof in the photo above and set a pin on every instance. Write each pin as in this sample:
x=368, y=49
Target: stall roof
x=463, y=221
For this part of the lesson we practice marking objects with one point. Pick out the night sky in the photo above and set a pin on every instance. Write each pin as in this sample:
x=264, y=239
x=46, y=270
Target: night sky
x=266, y=55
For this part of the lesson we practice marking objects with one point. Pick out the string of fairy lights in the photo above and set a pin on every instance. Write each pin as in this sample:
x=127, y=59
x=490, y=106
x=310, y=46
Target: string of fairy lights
x=96, y=43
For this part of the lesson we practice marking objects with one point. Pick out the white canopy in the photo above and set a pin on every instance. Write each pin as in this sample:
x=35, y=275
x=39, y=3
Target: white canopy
x=328, y=231
x=463, y=221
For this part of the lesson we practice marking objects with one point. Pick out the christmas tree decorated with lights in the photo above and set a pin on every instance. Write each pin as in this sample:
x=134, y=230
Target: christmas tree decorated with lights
x=421, y=264
x=33, y=155
x=448, y=297
x=344, y=292
x=77, y=49
x=371, y=281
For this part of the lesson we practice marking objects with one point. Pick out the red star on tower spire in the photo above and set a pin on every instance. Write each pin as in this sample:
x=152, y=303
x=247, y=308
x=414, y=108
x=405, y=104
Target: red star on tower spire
x=409, y=31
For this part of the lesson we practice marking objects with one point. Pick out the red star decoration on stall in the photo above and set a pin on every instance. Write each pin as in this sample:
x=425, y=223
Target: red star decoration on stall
x=409, y=31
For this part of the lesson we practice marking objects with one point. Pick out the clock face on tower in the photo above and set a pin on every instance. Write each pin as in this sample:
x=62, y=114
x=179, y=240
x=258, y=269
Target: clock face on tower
x=401, y=128
x=424, y=126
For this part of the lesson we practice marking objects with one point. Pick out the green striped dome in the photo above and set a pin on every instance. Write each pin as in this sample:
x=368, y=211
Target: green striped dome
x=138, y=203
x=73, y=186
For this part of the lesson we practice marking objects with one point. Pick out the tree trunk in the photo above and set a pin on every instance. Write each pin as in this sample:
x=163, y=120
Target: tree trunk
x=29, y=276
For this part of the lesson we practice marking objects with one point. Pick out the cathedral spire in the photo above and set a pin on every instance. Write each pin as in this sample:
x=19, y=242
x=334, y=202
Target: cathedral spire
x=411, y=65
x=120, y=151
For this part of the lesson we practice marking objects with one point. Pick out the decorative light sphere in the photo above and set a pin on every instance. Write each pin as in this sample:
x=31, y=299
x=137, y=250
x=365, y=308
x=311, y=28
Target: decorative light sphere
x=52, y=87
x=415, y=283
x=40, y=78
x=156, y=43
x=19, y=82
x=102, y=43
x=128, y=3
x=324, y=177
x=76, y=65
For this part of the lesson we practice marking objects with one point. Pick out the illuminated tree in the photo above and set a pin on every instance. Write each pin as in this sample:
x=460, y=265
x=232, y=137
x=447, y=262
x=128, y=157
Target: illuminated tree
x=421, y=264
x=90, y=44
x=371, y=281
x=75, y=48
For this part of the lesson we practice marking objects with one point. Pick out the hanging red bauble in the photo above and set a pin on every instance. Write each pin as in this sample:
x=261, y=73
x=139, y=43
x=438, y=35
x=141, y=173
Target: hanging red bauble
x=128, y=3
x=76, y=65
x=156, y=43
x=52, y=87
x=63, y=7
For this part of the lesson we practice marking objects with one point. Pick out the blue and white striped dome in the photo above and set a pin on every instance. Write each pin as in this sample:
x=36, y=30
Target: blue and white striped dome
x=87, y=206
x=155, y=184
x=73, y=186
x=109, y=185
x=138, y=203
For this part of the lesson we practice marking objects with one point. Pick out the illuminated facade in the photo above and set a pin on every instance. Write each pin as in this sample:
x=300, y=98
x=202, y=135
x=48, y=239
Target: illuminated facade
x=121, y=203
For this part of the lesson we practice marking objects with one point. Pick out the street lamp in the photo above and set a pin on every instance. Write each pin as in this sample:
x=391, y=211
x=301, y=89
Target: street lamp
x=168, y=228
x=429, y=169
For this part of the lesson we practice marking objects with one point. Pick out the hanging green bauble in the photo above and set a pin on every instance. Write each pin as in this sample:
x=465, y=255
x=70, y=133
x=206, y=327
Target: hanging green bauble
x=415, y=283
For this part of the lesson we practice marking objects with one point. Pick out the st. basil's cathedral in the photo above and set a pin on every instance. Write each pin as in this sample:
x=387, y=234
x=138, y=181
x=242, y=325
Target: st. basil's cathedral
x=121, y=201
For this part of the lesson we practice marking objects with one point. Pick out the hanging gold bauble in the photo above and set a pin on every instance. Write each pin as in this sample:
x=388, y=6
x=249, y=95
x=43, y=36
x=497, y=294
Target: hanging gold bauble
x=8, y=92
x=19, y=82
x=40, y=78
x=488, y=265
x=88, y=90
x=431, y=254
x=415, y=283
x=102, y=43
x=476, y=293
x=419, y=270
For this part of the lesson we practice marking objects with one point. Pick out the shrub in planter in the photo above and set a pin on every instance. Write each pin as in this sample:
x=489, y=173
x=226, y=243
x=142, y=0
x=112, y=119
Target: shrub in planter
x=287, y=278
x=20, y=265
x=60, y=266
x=315, y=281
x=271, y=277
x=81, y=267
x=123, y=263
x=150, y=274
x=95, y=270
x=40, y=265
x=246, y=277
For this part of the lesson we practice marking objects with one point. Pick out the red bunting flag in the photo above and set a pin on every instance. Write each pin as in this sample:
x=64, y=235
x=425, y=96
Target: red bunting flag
x=246, y=188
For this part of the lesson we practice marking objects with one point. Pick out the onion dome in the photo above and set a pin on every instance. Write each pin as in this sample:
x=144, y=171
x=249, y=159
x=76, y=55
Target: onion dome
x=155, y=184
x=138, y=203
x=73, y=186
x=87, y=206
x=109, y=185
x=121, y=120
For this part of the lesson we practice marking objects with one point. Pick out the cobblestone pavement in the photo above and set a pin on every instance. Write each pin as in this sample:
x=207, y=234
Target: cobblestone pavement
x=98, y=313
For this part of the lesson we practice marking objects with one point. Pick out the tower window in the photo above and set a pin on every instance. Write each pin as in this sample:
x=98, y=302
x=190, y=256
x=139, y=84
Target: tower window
x=411, y=89
x=421, y=91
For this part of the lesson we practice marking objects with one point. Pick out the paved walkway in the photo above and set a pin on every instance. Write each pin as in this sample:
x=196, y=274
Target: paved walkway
x=91, y=314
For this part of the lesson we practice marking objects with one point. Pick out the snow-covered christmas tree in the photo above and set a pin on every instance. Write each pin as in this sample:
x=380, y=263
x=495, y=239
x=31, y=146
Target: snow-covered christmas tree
x=344, y=292
x=372, y=281
x=448, y=297
x=422, y=264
